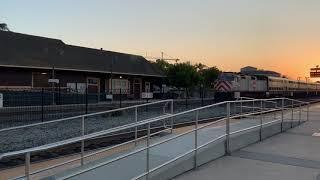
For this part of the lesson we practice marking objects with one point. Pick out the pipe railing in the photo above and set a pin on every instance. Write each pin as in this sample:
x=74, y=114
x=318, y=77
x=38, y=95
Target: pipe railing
x=92, y=114
x=148, y=122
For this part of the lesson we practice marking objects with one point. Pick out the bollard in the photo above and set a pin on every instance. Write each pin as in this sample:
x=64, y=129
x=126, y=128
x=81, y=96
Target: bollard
x=227, y=143
x=196, y=139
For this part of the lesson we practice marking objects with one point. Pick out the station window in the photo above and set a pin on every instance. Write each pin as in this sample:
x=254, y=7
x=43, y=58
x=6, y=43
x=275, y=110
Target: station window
x=93, y=81
x=122, y=84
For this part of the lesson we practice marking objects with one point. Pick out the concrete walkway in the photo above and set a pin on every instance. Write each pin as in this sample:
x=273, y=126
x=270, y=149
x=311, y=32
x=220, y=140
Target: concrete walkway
x=292, y=155
x=136, y=164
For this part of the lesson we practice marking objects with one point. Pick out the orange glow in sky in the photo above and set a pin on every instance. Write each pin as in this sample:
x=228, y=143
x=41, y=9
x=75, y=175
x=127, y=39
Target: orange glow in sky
x=280, y=35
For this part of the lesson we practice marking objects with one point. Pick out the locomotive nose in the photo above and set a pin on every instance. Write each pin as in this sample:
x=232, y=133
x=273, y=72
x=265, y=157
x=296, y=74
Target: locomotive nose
x=223, y=86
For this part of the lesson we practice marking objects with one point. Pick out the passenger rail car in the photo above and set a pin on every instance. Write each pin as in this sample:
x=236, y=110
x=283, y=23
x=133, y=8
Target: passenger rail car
x=233, y=85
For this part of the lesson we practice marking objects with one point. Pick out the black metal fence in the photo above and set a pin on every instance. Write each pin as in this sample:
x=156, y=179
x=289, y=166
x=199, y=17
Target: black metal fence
x=45, y=97
x=25, y=106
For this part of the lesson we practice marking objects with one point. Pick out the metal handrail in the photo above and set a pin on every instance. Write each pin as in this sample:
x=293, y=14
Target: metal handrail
x=91, y=154
x=89, y=136
x=81, y=138
x=136, y=124
x=87, y=115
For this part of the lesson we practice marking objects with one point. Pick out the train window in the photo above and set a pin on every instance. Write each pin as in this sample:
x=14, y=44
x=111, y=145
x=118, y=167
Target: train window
x=227, y=77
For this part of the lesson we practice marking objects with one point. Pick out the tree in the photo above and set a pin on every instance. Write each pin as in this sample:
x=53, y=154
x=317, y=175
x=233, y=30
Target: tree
x=163, y=65
x=4, y=27
x=209, y=75
x=183, y=75
x=285, y=76
x=200, y=66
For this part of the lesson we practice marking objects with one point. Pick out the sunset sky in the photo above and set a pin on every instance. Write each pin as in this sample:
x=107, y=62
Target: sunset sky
x=280, y=35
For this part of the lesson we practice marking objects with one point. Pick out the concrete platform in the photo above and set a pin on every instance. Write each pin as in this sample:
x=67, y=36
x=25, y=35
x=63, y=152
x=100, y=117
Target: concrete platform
x=130, y=167
x=235, y=168
x=292, y=155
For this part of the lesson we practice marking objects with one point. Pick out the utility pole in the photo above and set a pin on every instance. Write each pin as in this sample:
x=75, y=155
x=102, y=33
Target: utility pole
x=162, y=56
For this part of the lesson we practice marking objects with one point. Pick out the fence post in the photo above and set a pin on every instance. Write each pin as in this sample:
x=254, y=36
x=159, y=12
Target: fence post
x=234, y=108
x=292, y=106
x=275, y=112
x=299, y=113
x=202, y=94
x=86, y=100
x=171, y=117
x=186, y=102
x=227, y=143
x=260, y=130
x=59, y=94
x=196, y=139
x=82, y=141
x=42, y=104
x=148, y=153
x=241, y=108
x=308, y=111
x=253, y=108
x=27, y=166
x=120, y=98
x=282, y=111
x=136, y=128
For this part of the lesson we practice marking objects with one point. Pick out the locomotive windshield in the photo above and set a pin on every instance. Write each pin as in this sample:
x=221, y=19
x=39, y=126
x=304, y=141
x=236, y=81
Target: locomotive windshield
x=226, y=77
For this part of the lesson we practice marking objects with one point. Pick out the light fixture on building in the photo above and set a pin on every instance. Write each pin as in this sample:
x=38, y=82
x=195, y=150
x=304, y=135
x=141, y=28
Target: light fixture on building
x=43, y=73
x=120, y=77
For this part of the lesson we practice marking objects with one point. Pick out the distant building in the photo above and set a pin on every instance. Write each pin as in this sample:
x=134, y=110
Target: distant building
x=249, y=70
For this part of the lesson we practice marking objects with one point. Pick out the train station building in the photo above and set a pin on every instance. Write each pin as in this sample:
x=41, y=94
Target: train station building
x=30, y=62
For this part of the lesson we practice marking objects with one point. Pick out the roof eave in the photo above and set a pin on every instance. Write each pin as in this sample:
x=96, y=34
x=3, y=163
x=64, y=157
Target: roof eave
x=83, y=70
